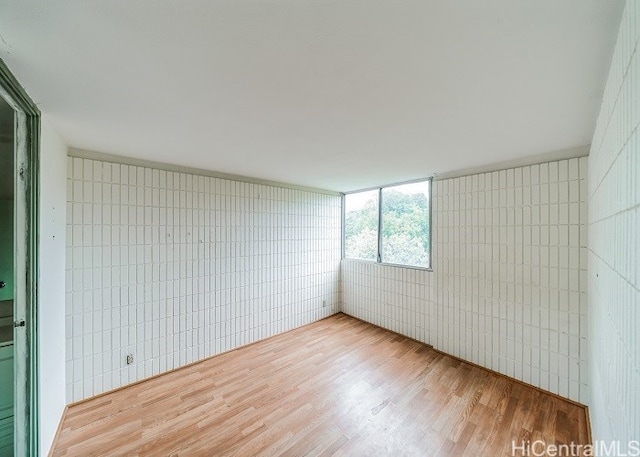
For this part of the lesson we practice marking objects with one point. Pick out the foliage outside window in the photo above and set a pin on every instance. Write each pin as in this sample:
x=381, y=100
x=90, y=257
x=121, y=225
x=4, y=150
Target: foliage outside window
x=389, y=225
x=361, y=225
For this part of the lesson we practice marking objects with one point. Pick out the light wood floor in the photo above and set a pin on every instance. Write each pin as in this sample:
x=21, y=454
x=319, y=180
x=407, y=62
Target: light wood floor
x=336, y=387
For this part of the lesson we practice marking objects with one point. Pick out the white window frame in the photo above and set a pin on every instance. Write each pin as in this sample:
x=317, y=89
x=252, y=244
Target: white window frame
x=379, y=255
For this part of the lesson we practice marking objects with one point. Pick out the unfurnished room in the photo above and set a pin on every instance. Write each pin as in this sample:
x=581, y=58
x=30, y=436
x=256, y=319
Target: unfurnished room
x=313, y=228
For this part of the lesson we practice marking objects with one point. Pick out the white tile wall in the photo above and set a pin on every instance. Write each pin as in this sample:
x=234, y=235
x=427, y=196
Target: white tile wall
x=175, y=267
x=614, y=243
x=508, y=287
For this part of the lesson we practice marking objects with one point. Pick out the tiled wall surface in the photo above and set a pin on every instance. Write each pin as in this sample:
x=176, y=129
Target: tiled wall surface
x=614, y=242
x=508, y=286
x=174, y=267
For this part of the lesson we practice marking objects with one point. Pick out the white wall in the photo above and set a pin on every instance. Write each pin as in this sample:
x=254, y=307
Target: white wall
x=614, y=243
x=51, y=288
x=508, y=286
x=175, y=267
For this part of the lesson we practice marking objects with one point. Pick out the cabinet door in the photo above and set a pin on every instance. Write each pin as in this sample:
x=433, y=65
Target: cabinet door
x=6, y=400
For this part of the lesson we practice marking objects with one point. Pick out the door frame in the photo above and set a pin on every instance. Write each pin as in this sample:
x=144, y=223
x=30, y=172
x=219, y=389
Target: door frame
x=27, y=168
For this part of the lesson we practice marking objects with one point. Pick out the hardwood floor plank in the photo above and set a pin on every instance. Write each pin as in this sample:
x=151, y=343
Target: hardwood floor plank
x=339, y=386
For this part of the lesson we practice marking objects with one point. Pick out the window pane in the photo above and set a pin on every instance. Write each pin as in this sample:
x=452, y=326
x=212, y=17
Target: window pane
x=361, y=225
x=405, y=224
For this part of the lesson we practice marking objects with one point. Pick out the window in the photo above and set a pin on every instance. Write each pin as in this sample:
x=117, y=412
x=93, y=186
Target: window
x=390, y=225
x=361, y=225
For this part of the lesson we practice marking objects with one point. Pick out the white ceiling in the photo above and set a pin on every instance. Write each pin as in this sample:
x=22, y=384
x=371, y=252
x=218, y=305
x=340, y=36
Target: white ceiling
x=335, y=94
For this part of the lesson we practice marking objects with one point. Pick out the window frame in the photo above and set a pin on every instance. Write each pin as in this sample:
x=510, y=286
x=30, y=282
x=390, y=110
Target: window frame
x=379, y=261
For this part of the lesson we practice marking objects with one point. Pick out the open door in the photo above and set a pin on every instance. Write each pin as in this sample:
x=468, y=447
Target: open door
x=7, y=278
x=18, y=267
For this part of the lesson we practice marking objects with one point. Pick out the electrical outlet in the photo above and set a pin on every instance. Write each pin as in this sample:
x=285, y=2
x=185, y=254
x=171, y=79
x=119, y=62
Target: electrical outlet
x=129, y=359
